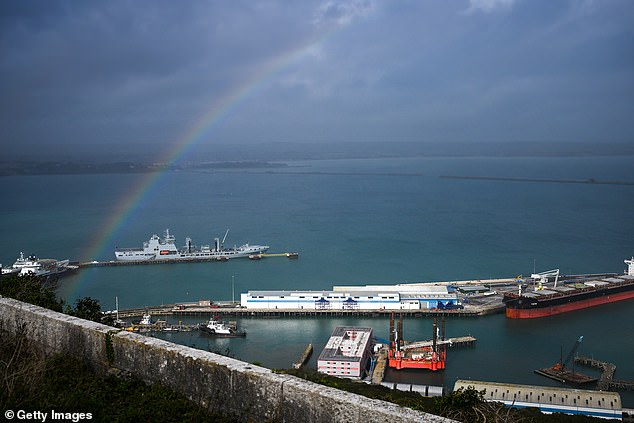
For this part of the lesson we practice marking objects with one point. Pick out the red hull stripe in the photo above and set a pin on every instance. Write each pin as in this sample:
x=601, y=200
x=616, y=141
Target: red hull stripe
x=563, y=308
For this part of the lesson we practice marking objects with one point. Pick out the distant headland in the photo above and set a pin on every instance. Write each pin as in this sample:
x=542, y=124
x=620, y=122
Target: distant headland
x=99, y=158
x=8, y=168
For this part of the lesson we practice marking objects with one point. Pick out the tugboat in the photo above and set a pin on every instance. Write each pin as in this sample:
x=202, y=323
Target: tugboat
x=221, y=329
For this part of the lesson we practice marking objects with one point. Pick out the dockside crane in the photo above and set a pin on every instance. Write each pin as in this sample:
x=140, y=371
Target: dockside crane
x=559, y=372
x=543, y=278
x=562, y=363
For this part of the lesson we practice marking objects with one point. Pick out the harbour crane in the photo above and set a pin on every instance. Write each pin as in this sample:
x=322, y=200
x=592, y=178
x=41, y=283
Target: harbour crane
x=559, y=372
x=543, y=277
x=562, y=364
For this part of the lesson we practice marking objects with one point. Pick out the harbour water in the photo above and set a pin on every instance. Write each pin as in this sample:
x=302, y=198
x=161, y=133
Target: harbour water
x=353, y=222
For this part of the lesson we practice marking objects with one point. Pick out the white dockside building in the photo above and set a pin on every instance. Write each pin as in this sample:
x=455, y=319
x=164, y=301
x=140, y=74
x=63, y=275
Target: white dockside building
x=369, y=297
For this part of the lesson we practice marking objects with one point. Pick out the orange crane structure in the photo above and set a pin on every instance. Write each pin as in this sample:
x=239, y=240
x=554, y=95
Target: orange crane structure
x=560, y=373
x=399, y=356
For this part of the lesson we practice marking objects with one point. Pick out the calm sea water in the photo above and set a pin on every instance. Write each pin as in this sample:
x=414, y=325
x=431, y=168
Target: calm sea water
x=353, y=222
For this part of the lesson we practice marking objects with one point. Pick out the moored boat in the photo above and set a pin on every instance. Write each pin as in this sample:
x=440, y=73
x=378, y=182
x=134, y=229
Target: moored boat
x=32, y=265
x=157, y=248
x=216, y=327
x=572, y=295
x=145, y=320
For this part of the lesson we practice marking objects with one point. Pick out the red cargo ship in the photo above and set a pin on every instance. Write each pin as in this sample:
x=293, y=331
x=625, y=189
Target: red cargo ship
x=574, y=295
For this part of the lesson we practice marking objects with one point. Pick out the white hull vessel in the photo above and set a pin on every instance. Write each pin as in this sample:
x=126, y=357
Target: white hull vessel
x=32, y=265
x=165, y=249
x=221, y=329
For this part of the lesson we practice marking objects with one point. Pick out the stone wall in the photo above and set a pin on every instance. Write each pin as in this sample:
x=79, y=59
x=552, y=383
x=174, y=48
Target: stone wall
x=219, y=383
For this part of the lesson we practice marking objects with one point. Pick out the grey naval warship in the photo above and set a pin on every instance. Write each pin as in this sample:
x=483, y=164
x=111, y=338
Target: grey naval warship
x=158, y=248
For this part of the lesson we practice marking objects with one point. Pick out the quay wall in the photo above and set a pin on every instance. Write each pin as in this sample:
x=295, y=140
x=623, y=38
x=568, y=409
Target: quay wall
x=220, y=384
x=173, y=310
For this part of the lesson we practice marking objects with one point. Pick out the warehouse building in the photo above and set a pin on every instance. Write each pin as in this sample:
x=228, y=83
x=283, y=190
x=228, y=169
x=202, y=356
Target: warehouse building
x=550, y=399
x=369, y=297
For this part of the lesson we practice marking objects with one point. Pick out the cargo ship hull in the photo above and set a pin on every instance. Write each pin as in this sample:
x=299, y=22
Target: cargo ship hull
x=524, y=307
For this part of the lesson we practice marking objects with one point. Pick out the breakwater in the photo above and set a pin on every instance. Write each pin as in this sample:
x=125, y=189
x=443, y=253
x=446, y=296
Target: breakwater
x=221, y=384
x=543, y=180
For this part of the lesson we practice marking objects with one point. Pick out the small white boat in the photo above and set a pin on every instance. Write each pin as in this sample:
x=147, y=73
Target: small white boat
x=146, y=320
x=221, y=329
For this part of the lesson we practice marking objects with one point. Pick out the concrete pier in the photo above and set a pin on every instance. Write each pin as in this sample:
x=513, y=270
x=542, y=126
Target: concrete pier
x=606, y=381
x=172, y=310
x=452, y=342
x=110, y=263
x=379, y=368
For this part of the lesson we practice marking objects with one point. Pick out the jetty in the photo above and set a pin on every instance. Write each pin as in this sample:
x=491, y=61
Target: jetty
x=304, y=357
x=160, y=326
x=451, y=342
x=379, y=368
x=606, y=381
x=237, y=311
x=111, y=263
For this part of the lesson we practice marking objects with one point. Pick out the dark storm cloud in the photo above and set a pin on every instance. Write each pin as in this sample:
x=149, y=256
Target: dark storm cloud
x=479, y=70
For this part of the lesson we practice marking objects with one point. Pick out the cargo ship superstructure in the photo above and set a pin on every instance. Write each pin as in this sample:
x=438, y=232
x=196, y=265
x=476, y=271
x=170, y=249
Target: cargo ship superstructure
x=570, y=295
x=158, y=248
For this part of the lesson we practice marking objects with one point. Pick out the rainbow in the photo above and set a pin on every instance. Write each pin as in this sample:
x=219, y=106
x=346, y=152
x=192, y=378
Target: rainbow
x=206, y=122
x=214, y=115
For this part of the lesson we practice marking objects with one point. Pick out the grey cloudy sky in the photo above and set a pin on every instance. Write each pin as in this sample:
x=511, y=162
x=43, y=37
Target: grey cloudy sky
x=310, y=71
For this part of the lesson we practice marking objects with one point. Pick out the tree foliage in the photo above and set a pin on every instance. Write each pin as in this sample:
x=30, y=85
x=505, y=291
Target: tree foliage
x=38, y=291
x=30, y=289
x=86, y=308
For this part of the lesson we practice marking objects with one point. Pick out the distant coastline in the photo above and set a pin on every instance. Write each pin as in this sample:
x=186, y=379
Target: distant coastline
x=9, y=168
x=140, y=158
x=117, y=156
